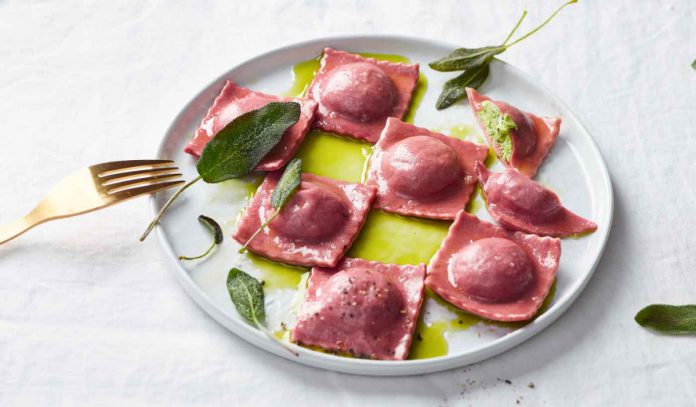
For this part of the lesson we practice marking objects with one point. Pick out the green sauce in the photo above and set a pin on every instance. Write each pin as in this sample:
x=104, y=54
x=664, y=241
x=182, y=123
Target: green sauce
x=276, y=275
x=333, y=156
x=396, y=239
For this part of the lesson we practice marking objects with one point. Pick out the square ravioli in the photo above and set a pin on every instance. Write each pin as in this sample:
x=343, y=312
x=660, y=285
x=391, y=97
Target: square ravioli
x=315, y=227
x=235, y=100
x=356, y=95
x=486, y=270
x=421, y=173
x=365, y=308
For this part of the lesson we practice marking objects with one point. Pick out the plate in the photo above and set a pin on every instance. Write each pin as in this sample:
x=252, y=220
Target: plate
x=575, y=170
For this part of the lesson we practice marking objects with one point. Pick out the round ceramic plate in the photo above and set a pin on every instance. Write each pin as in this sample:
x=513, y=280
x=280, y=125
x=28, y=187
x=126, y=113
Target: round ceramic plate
x=574, y=170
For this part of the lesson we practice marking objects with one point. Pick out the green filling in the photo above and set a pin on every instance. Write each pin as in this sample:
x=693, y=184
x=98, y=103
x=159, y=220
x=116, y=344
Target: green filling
x=498, y=126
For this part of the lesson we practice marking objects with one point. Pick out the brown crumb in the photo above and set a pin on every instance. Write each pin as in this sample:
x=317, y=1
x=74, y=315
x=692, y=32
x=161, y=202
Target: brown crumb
x=508, y=381
x=531, y=385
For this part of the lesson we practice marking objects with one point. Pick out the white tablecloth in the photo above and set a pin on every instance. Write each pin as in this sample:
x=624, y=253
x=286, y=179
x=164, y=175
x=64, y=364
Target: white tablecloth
x=90, y=316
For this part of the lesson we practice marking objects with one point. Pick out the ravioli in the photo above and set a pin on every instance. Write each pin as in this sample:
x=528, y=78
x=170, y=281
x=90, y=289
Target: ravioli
x=421, y=173
x=486, y=270
x=235, y=100
x=519, y=203
x=521, y=140
x=315, y=227
x=364, y=308
x=356, y=95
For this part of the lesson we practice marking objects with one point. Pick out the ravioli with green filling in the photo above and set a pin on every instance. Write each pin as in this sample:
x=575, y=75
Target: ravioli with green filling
x=520, y=139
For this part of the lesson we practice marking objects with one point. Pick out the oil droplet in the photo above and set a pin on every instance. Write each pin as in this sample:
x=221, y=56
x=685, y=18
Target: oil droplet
x=283, y=335
x=477, y=201
x=492, y=157
x=463, y=132
x=367, y=153
x=416, y=98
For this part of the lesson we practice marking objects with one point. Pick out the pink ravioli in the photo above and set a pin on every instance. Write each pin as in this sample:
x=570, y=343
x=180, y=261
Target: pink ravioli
x=519, y=203
x=356, y=95
x=531, y=140
x=421, y=173
x=364, y=308
x=232, y=102
x=315, y=227
x=486, y=270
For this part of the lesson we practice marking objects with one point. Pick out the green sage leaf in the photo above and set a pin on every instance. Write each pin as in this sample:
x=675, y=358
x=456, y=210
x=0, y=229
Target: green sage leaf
x=668, y=319
x=288, y=183
x=454, y=89
x=286, y=186
x=213, y=226
x=693, y=64
x=247, y=296
x=244, y=142
x=215, y=229
x=474, y=62
x=466, y=58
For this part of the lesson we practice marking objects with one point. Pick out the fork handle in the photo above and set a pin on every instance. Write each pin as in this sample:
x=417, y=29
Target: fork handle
x=16, y=228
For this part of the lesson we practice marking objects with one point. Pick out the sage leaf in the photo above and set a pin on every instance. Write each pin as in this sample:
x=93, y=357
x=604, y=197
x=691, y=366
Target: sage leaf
x=668, y=319
x=238, y=148
x=466, y=58
x=474, y=62
x=246, y=294
x=288, y=183
x=454, y=89
x=693, y=64
x=286, y=186
x=215, y=229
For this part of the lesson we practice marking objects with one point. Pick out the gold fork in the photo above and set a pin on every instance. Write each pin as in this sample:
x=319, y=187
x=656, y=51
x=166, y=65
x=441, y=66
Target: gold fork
x=96, y=187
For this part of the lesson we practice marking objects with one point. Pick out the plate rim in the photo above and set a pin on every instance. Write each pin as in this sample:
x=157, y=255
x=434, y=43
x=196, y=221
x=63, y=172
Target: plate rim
x=375, y=367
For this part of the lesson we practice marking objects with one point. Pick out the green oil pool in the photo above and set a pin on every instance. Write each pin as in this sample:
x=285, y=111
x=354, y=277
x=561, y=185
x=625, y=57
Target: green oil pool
x=395, y=239
x=276, y=275
x=333, y=156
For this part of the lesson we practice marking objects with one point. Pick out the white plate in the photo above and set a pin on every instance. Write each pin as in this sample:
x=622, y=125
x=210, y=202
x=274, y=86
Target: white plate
x=574, y=169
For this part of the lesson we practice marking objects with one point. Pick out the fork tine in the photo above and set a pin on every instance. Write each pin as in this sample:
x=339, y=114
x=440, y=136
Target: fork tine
x=130, y=184
x=119, y=166
x=133, y=192
x=125, y=176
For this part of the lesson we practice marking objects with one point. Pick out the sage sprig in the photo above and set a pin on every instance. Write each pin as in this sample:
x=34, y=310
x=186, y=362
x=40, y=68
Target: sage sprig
x=248, y=298
x=668, y=319
x=215, y=229
x=286, y=186
x=239, y=147
x=474, y=62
